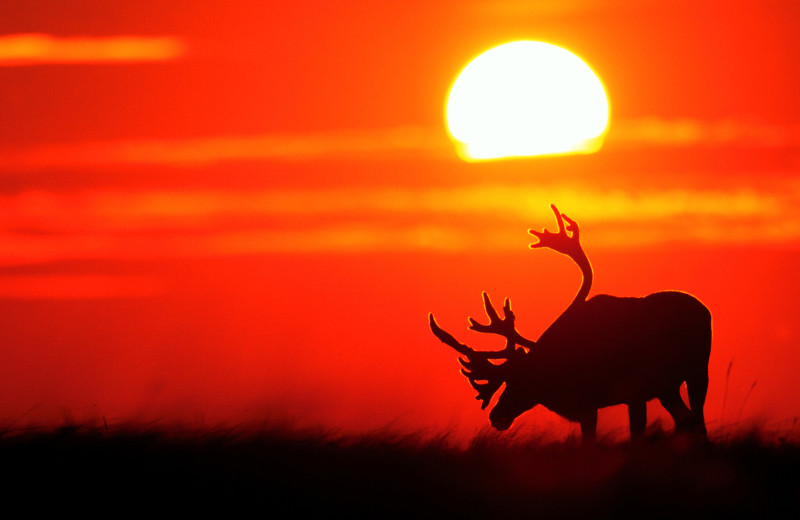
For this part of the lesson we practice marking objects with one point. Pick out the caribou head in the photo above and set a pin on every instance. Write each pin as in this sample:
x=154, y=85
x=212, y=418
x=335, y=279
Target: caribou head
x=484, y=375
x=487, y=371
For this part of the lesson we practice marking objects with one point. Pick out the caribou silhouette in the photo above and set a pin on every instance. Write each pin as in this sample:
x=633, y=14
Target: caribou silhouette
x=599, y=352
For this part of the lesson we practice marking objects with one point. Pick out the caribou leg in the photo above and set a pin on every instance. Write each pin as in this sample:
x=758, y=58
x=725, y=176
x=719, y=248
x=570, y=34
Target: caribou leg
x=696, y=387
x=588, y=427
x=674, y=404
x=637, y=419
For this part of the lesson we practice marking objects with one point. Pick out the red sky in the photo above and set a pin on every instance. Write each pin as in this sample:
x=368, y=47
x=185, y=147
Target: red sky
x=243, y=212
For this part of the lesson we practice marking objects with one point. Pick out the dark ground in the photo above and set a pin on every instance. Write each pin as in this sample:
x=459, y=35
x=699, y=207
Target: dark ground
x=286, y=474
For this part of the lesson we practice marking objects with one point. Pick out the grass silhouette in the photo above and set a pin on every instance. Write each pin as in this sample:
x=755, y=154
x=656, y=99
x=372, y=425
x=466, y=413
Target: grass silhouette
x=288, y=473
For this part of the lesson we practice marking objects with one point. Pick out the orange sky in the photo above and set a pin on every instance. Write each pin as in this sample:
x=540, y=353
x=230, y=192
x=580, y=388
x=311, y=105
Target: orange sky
x=244, y=212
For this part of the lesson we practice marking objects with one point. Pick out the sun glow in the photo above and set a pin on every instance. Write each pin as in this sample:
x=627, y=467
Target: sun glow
x=526, y=98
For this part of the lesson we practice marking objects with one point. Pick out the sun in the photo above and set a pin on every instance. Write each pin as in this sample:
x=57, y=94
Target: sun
x=526, y=98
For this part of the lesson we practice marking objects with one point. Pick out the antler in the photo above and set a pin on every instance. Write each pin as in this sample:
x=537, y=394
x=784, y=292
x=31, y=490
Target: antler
x=561, y=242
x=568, y=245
x=502, y=326
x=484, y=376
